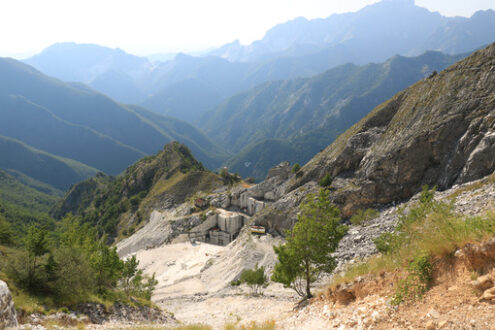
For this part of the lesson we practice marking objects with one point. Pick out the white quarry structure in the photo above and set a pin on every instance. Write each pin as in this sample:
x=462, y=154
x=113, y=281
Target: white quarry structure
x=220, y=227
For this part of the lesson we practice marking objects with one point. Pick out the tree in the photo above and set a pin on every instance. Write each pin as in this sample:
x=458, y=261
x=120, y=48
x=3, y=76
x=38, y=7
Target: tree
x=36, y=246
x=129, y=271
x=255, y=279
x=309, y=245
x=6, y=233
x=296, y=168
x=107, y=266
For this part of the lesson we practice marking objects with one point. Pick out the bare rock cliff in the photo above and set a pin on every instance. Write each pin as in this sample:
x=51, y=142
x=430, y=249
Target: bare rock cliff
x=440, y=131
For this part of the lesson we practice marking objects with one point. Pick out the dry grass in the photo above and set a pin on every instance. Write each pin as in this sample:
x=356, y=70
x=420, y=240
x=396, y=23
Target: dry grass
x=267, y=325
x=473, y=186
x=435, y=230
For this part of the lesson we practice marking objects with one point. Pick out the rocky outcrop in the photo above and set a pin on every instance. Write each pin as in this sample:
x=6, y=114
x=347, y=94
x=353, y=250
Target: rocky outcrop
x=8, y=317
x=159, y=182
x=440, y=131
x=162, y=228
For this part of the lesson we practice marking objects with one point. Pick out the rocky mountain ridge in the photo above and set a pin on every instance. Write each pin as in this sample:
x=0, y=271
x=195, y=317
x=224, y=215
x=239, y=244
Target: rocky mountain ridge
x=159, y=182
x=294, y=119
x=437, y=132
x=342, y=37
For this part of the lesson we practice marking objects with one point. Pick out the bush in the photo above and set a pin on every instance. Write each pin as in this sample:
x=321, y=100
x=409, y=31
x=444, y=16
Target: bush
x=326, y=180
x=418, y=280
x=255, y=279
x=384, y=243
x=296, y=168
x=361, y=217
x=74, y=280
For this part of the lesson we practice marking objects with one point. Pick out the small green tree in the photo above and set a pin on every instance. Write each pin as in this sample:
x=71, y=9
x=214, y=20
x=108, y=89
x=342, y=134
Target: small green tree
x=107, y=266
x=129, y=271
x=36, y=246
x=296, y=168
x=149, y=287
x=255, y=279
x=326, y=180
x=309, y=244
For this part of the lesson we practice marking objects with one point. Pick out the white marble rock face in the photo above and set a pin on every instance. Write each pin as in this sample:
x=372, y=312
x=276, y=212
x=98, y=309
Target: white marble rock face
x=8, y=317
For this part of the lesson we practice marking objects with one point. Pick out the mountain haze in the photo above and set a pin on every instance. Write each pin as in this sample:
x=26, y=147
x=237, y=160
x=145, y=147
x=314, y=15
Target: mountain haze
x=187, y=86
x=97, y=66
x=373, y=33
x=75, y=122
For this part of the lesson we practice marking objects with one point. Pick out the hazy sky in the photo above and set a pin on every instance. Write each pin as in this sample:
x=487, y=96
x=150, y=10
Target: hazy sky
x=152, y=26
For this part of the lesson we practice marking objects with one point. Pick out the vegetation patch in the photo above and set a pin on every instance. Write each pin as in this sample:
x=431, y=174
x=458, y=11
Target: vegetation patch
x=362, y=216
x=255, y=279
x=68, y=266
x=326, y=180
x=426, y=233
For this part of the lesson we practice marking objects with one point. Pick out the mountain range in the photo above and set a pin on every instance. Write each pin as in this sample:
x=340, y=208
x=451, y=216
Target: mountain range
x=74, y=131
x=437, y=132
x=373, y=33
x=187, y=87
x=294, y=119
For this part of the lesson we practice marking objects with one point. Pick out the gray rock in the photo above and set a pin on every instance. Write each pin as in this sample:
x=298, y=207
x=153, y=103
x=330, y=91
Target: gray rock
x=8, y=316
x=437, y=132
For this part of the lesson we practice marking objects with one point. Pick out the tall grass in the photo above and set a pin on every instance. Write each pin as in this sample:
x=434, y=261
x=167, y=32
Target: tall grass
x=431, y=230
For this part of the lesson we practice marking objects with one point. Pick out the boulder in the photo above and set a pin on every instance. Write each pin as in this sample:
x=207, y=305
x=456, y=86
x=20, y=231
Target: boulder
x=483, y=282
x=8, y=317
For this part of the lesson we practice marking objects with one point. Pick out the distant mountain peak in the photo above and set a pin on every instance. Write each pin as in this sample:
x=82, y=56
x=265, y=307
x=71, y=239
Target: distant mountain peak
x=403, y=2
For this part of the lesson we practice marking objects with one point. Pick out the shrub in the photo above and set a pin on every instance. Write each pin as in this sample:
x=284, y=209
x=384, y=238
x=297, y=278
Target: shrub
x=296, y=168
x=255, y=279
x=361, y=217
x=326, y=180
x=418, y=280
x=384, y=243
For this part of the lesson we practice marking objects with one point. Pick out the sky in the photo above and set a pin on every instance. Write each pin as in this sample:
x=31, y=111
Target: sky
x=144, y=27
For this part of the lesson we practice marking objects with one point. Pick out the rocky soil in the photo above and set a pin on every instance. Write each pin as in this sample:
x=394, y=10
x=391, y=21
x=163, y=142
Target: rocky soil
x=456, y=301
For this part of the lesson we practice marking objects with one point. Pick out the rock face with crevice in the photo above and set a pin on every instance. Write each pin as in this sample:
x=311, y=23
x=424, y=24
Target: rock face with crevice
x=8, y=317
